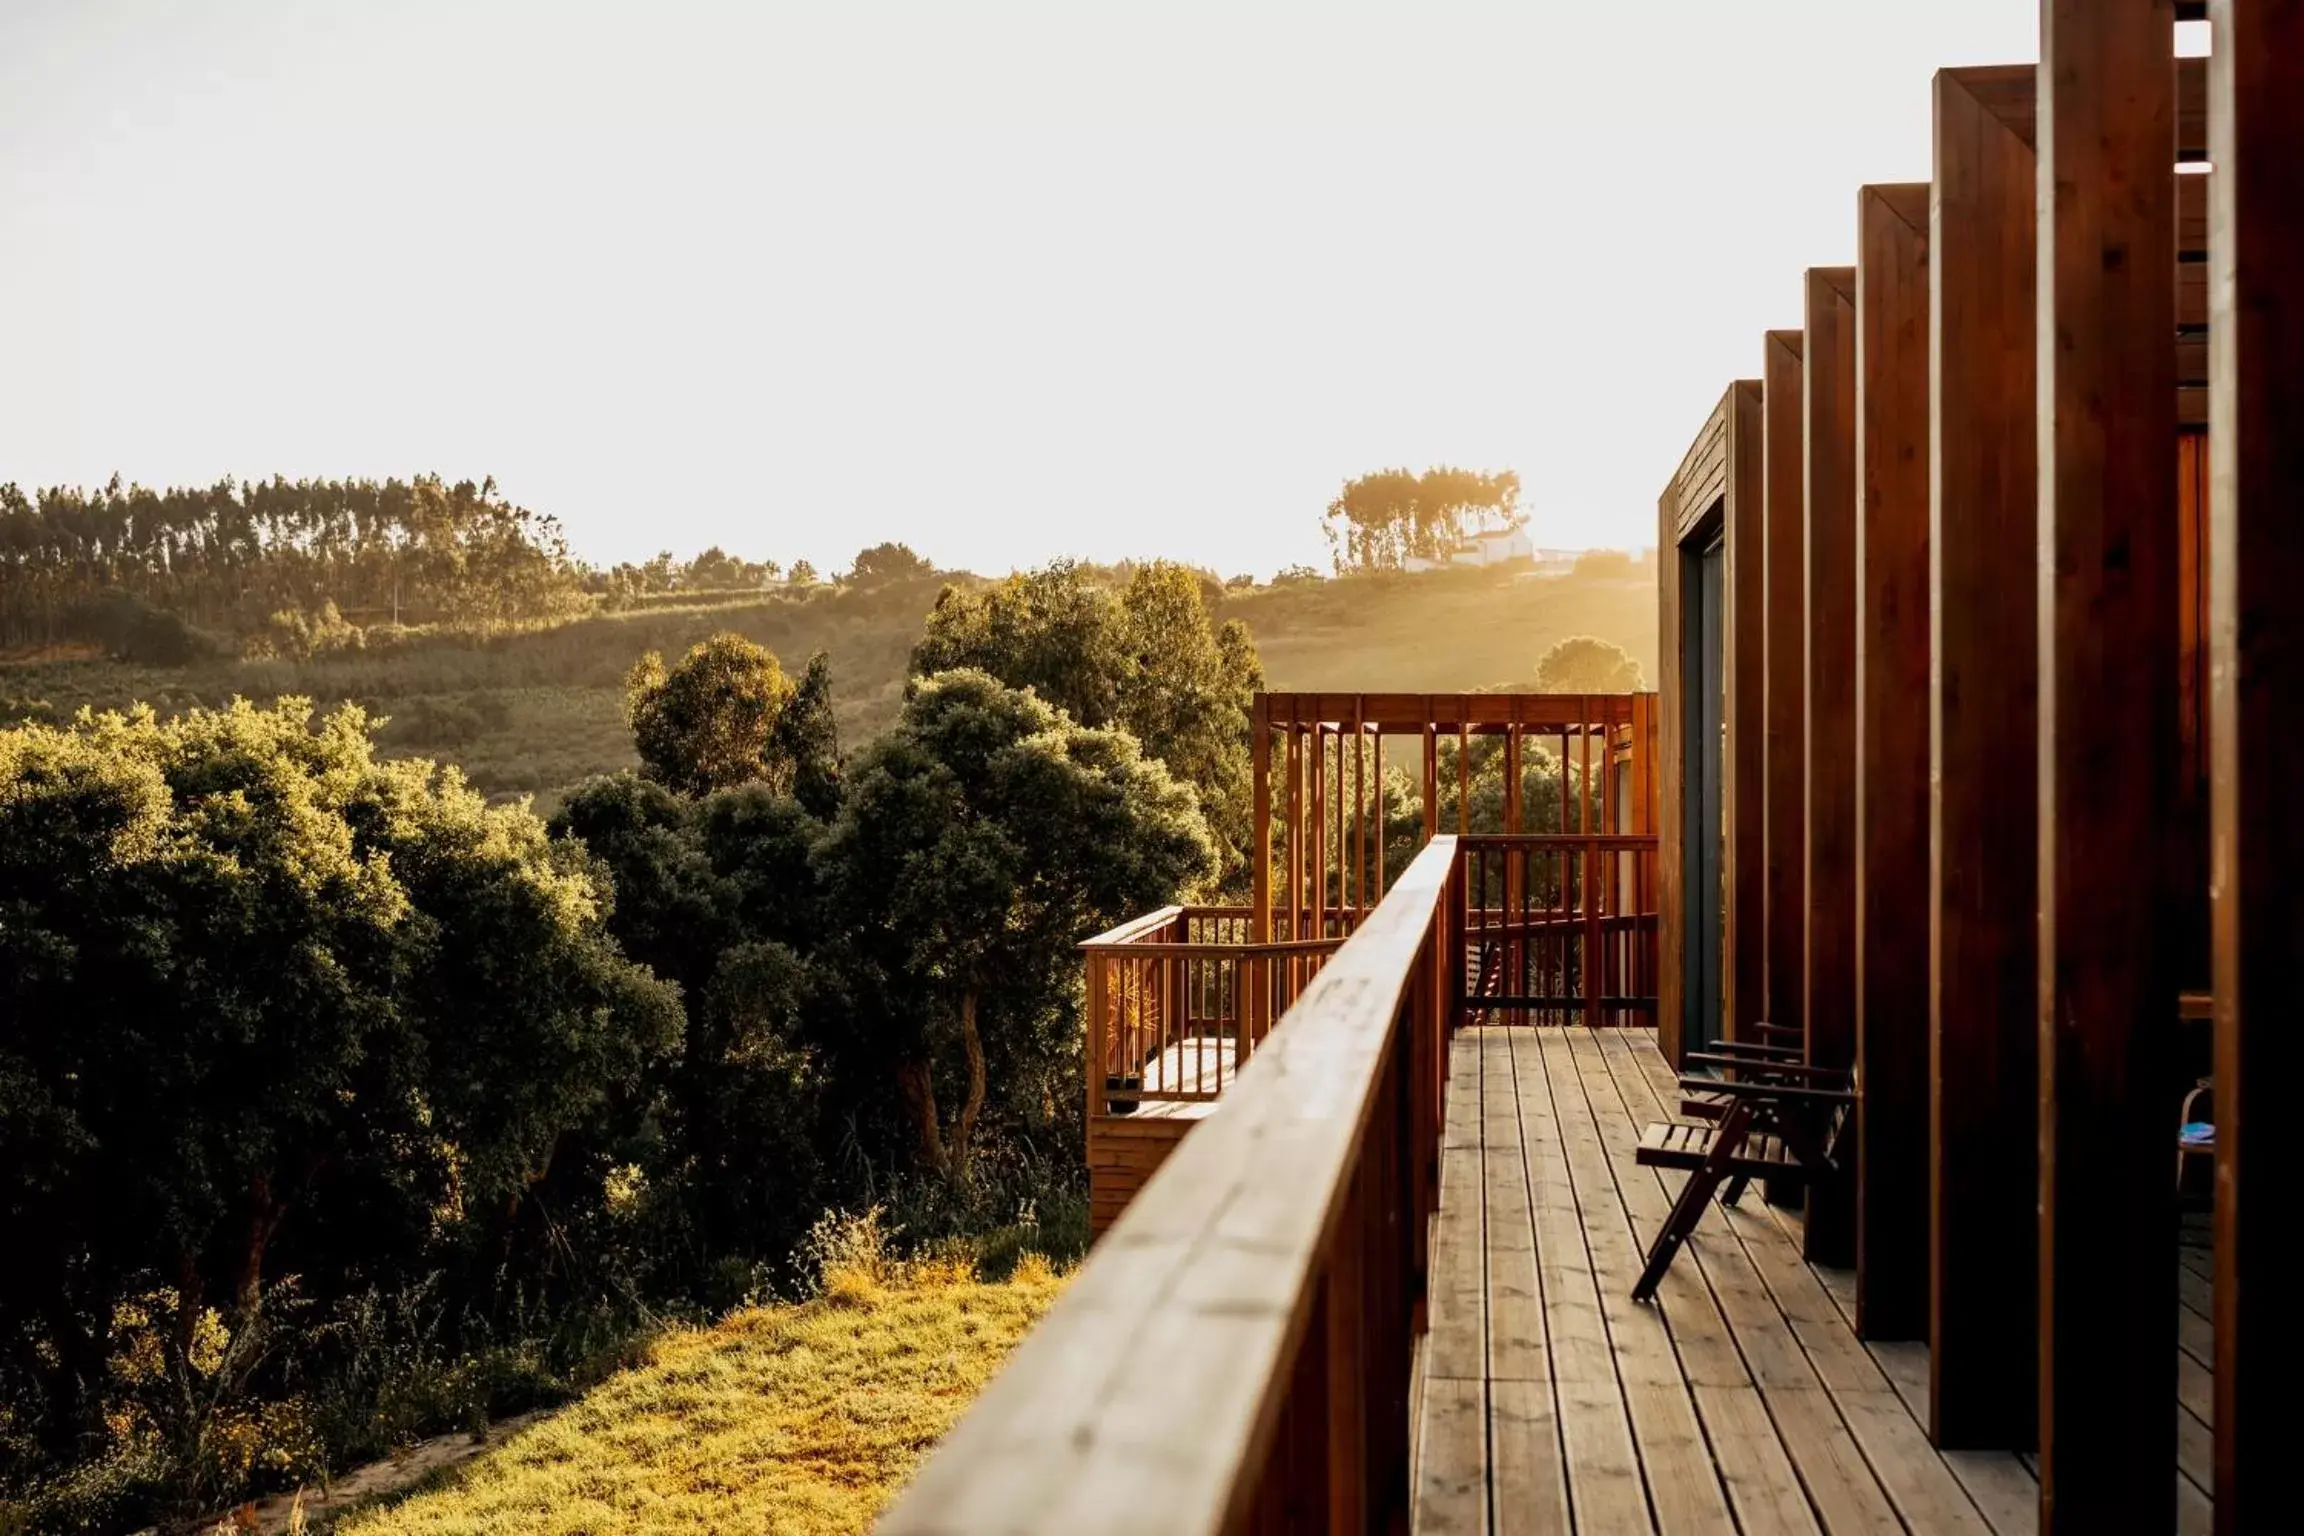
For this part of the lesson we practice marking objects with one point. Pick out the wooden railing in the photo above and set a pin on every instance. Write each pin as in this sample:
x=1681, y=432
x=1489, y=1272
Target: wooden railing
x=1236, y=1354
x=1559, y=929
x=1179, y=1000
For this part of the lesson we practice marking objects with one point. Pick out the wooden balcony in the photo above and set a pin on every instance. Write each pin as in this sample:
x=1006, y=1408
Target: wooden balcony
x=1742, y=1400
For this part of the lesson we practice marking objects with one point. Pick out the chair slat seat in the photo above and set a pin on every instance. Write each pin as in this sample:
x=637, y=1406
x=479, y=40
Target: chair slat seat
x=1672, y=1145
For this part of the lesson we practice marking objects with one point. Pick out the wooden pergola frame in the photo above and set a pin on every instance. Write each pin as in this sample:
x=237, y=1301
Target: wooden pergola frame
x=1991, y=465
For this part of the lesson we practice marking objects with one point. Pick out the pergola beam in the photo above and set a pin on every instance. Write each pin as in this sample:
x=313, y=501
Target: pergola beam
x=1983, y=824
x=2108, y=569
x=2256, y=638
x=1892, y=760
x=1828, y=512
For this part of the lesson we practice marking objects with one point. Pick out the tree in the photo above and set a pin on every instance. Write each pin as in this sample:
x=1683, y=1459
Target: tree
x=807, y=737
x=1148, y=658
x=1381, y=521
x=982, y=838
x=718, y=896
x=887, y=562
x=260, y=992
x=712, y=720
x=803, y=573
x=1588, y=664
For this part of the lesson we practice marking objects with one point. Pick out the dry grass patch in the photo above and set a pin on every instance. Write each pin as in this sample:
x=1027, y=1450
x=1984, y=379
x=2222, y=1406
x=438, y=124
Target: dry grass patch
x=801, y=1420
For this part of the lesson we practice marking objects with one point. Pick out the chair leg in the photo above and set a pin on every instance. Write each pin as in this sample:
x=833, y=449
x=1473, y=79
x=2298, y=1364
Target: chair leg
x=1735, y=1190
x=1727, y=1142
x=1686, y=1212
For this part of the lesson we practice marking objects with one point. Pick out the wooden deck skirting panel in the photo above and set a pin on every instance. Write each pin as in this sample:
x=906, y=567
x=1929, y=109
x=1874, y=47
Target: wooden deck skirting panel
x=1124, y=1151
x=1742, y=1401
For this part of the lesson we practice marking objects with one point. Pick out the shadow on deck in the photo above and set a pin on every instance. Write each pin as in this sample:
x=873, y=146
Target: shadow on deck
x=1742, y=1400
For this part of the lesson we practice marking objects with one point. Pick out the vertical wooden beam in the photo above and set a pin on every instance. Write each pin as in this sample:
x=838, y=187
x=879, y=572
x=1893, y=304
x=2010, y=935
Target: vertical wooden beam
x=1295, y=824
x=1671, y=782
x=1783, y=584
x=1828, y=507
x=1260, y=846
x=2256, y=635
x=1983, y=817
x=1743, y=797
x=2108, y=939
x=1892, y=761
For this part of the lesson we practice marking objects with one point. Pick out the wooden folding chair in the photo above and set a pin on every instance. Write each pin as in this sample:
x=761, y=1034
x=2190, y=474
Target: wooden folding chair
x=1769, y=1127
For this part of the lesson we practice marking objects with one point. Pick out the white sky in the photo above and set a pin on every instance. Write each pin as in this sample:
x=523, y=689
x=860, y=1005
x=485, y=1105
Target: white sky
x=1002, y=280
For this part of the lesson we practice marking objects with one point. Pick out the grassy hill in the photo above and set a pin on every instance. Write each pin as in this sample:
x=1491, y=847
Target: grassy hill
x=797, y=1419
x=537, y=711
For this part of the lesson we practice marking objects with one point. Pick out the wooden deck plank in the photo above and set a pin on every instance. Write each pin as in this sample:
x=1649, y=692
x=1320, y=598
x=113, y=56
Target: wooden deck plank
x=1595, y=1428
x=1743, y=1391
x=1451, y=1460
x=1683, y=1486
x=1529, y=1474
x=1748, y=1454
x=1839, y=1482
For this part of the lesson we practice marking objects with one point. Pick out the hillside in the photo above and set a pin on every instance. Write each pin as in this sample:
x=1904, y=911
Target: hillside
x=536, y=711
x=800, y=1419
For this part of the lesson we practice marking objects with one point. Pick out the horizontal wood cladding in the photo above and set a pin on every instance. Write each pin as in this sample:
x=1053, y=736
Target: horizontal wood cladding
x=1702, y=478
x=1124, y=1151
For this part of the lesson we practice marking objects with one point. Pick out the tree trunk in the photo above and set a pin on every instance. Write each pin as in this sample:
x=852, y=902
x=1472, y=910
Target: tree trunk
x=264, y=1217
x=964, y=1128
x=916, y=1082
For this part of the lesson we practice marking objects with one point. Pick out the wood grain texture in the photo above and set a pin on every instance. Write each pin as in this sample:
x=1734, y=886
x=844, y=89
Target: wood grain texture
x=2109, y=583
x=2256, y=635
x=1743, y=799
x=1983, y=821
x=1181, y=1383
x=1786, y=647
x=1891, y=937
x=1828, y=597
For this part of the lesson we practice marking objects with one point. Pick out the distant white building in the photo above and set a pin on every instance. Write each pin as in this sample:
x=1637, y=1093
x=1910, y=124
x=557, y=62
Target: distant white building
x=1497, y=546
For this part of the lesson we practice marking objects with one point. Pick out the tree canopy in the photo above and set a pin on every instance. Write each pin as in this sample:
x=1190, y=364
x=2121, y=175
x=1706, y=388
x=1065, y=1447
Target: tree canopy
x=252, y=982
x=1147, y=657
x=981, y=839
x=231, y=555
x=887, y=562
x=726, y=714
x=1380, y=521
x=1588, y=664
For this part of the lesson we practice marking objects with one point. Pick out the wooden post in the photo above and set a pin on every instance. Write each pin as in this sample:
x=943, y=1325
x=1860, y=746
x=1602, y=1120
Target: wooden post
x=1260, y=846
x=1983, y=817
x=2108, y=939
x=1319, y=827
x=1892, y=761
x=2256, y=565
x=1828, y=502
x=1744, y=778
x=1786, y=661
x=1295, y=824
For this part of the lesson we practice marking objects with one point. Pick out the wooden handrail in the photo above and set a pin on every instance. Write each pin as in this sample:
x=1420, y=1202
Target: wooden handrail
x=1239, y=1344
x=1133, y=930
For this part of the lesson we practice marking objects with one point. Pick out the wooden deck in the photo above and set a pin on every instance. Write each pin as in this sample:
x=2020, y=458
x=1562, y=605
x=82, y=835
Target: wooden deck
x=1741, y=1401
